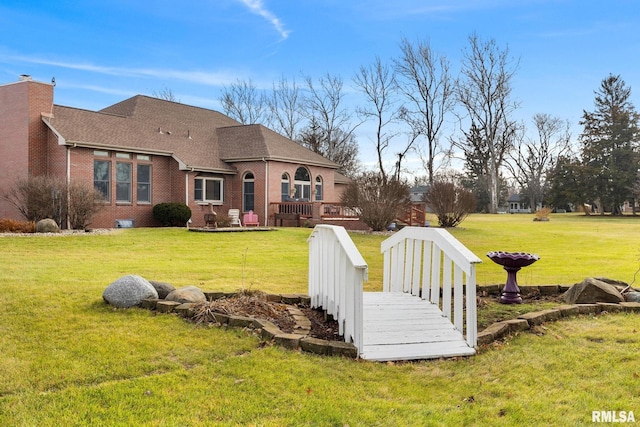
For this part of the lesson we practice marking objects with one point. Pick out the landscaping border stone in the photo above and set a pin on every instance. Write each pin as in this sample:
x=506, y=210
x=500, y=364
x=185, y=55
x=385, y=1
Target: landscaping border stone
x=267, y=330
x=300, y=339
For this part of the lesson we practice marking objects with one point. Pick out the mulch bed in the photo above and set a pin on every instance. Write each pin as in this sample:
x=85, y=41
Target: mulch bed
x=255, y=305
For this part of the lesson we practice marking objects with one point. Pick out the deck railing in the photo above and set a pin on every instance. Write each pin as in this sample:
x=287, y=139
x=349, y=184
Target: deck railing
x=316, y=210
x=304, y=209
x=430, y=263
x=336, y=273
x=337, y=210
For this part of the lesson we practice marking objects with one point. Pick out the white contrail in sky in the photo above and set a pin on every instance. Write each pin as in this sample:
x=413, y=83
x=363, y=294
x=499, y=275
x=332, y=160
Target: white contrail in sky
x=257, y=7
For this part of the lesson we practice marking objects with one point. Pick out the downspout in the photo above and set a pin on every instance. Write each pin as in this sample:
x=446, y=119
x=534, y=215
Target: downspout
x=68, y=185
x=266, y=192
x=186, y=193
x=186, y=187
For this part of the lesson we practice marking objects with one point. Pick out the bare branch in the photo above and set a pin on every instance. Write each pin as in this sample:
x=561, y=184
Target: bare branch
x=379, y=86
x=243, y=102
x=428, y=86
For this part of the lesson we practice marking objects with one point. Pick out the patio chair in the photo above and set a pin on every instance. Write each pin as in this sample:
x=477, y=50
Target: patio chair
x=250, y=219
x=234, y=217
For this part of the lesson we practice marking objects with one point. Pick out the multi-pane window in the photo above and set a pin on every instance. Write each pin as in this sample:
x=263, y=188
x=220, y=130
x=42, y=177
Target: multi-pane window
x=123, y=182
x=208, y=190
x=303, y=184
x=144, y=183
x=101, y=177
x=318, y=188
x=285, y=186
x=248, y=192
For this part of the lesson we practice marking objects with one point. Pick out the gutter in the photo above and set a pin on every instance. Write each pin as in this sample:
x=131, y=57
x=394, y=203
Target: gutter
x=266, y=192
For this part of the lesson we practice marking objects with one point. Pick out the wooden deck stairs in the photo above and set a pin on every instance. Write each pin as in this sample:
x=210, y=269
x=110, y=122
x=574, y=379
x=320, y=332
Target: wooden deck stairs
x=427, y=308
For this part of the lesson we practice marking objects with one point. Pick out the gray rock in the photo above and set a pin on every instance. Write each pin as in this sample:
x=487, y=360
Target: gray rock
x=590, y=291
x=47, y=225
x=632, y=296
x=619, y=284
x=128, y=291
x=162, y=288
x=187, y=294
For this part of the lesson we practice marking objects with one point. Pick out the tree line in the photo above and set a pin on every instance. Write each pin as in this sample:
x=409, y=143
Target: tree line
x=410, y=102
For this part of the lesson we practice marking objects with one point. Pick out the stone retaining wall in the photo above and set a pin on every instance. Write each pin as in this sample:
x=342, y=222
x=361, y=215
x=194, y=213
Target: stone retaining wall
x=267, y=331
x=527, y=321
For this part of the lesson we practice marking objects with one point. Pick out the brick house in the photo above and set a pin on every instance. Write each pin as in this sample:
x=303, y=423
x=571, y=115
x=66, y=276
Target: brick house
x=144, y=151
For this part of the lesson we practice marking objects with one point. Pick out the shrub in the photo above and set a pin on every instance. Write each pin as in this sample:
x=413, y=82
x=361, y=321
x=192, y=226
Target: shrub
x=378, y=201
x=42, y=197
x=84, y=201
x=451, y=203
x=39, y=197
x=172, y=214
x=542, y=214
x=12, y=226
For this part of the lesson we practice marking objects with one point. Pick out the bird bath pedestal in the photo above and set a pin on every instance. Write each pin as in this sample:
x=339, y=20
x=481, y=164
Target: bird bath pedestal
x=512, y=262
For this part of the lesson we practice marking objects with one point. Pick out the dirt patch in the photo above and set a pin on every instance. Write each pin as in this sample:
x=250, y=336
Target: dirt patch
x=256, y=305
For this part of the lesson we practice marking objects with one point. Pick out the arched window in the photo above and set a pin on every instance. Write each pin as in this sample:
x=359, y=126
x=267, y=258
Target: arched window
x=248, y=192
x=319, y=195
x=285, y=186
x=302, y=182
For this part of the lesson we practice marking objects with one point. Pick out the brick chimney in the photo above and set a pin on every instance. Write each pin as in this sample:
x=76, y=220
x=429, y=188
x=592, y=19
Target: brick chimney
x=23, y=135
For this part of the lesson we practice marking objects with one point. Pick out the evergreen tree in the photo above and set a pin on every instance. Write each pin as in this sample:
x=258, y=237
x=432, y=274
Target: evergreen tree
x=610, y=145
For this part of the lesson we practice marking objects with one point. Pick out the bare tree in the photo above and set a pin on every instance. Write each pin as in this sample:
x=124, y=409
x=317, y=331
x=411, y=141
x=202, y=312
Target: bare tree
x=485, y=92
x=533, y=158
x=166, y=94
x=427, y=84
x=243, y=102
x=378, y=202
x=285, y=106
x=324, y=108
x=377, y=82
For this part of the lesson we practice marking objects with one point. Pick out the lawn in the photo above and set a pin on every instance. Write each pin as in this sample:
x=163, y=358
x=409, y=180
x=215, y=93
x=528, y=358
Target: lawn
x=66, y=358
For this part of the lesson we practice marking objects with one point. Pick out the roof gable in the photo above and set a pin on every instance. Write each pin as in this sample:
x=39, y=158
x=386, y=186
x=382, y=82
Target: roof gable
x=255, y=142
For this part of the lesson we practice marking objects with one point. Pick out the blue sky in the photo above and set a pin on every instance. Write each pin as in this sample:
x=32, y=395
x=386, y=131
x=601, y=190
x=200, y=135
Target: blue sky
x=103, y=52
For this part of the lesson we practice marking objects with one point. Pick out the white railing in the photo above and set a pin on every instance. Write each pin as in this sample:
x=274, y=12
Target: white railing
x=336, y=273
x=430, y=262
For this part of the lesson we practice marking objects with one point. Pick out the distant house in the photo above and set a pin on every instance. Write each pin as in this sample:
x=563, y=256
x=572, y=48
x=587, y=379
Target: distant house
x=518, y=203
x=144, y=151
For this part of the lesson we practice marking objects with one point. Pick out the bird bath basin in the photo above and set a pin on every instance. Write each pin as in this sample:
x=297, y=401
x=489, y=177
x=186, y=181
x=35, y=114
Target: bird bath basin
x=512, y=262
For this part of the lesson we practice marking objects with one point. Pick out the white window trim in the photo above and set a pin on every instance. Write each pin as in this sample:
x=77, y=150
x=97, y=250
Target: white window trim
x=207, y=201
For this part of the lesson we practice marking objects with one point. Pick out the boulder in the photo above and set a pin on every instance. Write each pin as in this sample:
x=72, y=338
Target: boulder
x=162, y=288
x=619, y=284
x=47, y=225
x=590, y=291
x=128, y=291
x=632, y=296
x=187, y=294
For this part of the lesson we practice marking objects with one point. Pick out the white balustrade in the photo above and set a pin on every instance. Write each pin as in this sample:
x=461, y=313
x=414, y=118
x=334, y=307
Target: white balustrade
x=336, y=273
x=431, y=263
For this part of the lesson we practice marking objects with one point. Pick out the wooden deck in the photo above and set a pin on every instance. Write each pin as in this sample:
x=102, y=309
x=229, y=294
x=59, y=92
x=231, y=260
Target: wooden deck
x=400, y=326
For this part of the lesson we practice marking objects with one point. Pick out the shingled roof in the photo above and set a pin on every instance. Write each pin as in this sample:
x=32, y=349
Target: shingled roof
x=197, y=138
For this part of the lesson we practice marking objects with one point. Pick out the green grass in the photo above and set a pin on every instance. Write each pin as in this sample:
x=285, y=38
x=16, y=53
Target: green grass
x=66, y=358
